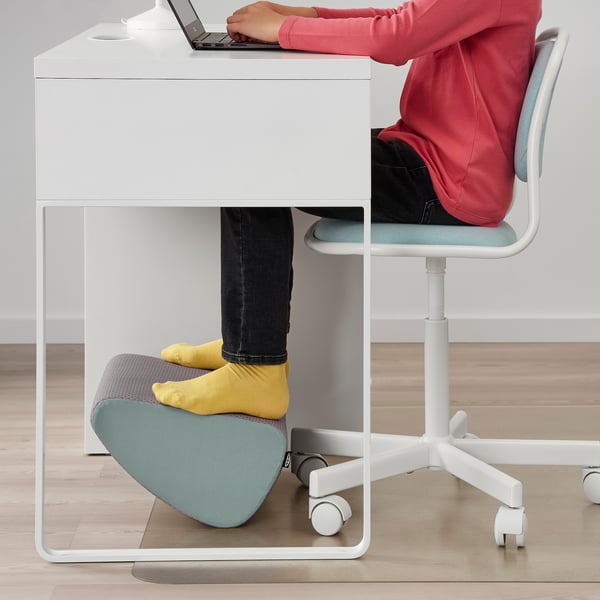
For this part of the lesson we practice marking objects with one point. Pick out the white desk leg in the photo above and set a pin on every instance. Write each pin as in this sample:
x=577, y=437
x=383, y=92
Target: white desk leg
x=367, y=376
x=170, y=554
x=40, y=429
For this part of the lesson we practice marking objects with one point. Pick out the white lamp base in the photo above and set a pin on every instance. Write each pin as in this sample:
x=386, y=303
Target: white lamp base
x=160, y=17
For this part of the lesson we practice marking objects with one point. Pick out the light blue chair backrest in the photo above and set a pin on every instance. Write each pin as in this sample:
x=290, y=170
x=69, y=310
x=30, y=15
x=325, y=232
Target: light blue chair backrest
x=549, y=50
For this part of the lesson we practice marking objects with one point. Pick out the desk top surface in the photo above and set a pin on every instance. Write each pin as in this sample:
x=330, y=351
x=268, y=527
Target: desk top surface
x=110, y=51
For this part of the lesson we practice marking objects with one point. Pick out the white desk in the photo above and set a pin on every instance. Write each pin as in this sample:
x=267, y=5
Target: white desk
x=123, y=125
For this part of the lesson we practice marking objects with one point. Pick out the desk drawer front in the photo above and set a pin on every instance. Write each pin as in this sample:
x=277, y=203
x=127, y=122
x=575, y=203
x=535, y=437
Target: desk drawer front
x=266, y=140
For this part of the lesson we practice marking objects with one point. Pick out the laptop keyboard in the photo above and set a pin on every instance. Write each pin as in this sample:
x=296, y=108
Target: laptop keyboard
x=210, y=39
x=222, y=39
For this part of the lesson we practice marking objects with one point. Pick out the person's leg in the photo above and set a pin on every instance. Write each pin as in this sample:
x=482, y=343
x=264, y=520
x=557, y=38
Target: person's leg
x=401, y=189
x=256, y=280
x=256, y=286
x=401, y=192
x=253, y=291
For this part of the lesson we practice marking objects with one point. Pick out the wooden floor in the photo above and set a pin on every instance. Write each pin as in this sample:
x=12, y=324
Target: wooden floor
x=90, y=499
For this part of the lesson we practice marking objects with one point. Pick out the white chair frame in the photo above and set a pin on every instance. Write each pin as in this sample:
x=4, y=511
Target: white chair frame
x=446, y=444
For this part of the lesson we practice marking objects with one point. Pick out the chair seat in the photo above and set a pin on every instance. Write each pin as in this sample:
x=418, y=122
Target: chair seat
x=217, y=469
x=339, y=231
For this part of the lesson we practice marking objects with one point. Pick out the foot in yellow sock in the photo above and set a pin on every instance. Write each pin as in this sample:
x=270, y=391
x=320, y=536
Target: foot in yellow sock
x=206, y=356
x=258, y=390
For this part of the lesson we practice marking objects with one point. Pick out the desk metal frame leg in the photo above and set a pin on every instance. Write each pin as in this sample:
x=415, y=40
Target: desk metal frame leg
x=183, y=554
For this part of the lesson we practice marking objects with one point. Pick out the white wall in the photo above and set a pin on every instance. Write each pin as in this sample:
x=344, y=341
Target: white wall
x=551, y=292
x=28, y=28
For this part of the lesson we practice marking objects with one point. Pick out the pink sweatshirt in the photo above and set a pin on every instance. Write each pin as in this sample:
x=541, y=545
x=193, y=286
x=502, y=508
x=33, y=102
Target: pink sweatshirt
x=460, y=104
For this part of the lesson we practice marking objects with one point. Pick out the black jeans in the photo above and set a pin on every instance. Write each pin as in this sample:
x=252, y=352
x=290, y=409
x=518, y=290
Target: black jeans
x=257, y=247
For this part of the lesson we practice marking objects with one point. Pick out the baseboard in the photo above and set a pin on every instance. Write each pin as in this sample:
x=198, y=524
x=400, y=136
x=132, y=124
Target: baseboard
x=388, y=330
x=490, y=329
x=58, y=330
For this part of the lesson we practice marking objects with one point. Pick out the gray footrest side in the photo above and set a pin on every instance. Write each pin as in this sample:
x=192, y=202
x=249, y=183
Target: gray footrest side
x=217, y=469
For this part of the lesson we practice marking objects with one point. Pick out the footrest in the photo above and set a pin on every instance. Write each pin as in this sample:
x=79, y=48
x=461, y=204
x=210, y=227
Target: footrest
x=218, y=469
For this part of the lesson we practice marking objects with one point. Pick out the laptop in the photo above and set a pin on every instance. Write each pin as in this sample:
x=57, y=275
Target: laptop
x=200, y=39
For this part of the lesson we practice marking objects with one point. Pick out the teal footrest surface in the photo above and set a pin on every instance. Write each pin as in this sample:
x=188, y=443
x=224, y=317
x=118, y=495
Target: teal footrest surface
x=217, y=469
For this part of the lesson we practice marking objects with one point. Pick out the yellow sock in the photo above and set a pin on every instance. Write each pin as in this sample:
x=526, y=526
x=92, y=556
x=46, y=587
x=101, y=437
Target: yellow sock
x=258, y=390
x=205, y=356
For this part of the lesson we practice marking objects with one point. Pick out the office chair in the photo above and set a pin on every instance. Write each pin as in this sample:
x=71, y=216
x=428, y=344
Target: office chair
x=446, y=444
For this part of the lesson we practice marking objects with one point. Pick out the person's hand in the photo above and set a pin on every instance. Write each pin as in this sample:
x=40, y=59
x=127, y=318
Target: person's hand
x=255, y=22
x=260, y=21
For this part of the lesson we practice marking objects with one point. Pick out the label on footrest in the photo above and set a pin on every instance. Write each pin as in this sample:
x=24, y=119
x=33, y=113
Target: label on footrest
x=287, y=461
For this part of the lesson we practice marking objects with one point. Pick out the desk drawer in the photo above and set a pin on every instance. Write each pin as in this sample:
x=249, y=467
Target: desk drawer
x=269, y=140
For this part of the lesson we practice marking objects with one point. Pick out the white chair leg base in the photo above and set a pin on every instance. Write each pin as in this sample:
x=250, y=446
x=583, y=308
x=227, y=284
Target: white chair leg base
x=462, y=454
x=459, y=428
x=510, y=521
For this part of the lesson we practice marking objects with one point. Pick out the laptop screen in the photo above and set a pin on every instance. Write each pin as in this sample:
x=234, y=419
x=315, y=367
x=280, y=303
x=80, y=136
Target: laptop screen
x=187, y=17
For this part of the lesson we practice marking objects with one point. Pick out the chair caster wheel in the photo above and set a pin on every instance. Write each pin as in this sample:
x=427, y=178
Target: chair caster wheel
x=304, y=464
x=591, y=485
x=328, y=514
x=510, y=521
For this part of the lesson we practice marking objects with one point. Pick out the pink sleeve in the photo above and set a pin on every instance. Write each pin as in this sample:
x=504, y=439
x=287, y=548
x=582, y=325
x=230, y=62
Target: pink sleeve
x=391, y=36
x=346, y=13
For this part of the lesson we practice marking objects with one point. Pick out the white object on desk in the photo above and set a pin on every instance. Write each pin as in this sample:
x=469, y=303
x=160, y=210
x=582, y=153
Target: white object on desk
x=160, y=17
x=95, y=149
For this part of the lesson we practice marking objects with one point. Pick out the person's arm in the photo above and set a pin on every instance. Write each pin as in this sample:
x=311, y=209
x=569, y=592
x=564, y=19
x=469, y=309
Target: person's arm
x=297, y=11
x=327, y=13
x=261, y=20
x=391, y=36
x=347, y=13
